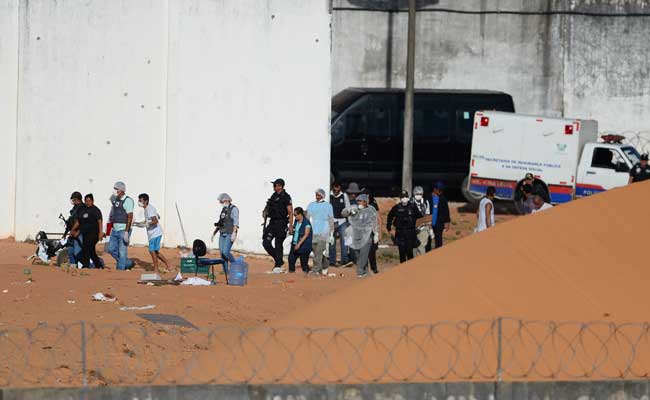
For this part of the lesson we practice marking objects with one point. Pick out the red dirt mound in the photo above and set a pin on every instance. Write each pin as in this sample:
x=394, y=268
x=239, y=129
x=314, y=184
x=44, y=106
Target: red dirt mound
x=585, y=260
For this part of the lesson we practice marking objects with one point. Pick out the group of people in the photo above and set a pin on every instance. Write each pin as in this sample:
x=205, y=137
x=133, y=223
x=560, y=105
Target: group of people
x=350, y=219
x=531, y=193
x=86, y=227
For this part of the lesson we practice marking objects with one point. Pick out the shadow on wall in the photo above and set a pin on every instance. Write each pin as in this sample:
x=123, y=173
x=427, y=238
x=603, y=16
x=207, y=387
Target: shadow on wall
x=386, y=5
x=390, y=4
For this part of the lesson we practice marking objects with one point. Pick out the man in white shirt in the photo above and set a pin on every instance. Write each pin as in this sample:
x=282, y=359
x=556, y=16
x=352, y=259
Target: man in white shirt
x=540, y=204
x=486, y=210
x=154, y=231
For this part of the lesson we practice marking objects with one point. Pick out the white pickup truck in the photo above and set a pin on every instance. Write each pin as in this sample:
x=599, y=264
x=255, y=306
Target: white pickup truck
x=563, y=153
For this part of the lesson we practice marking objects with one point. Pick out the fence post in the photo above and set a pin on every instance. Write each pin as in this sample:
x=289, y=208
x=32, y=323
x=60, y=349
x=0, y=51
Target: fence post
x=499, y=349
x=84, y=372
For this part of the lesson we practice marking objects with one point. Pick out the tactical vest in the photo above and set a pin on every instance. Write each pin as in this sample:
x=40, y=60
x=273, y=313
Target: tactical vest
x=405, y=217
x=277, y=210
x=118, y=214
x=338, y=204
x=226, y=223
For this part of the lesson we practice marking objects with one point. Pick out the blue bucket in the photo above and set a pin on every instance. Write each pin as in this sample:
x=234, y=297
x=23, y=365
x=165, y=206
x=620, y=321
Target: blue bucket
x=238, y=272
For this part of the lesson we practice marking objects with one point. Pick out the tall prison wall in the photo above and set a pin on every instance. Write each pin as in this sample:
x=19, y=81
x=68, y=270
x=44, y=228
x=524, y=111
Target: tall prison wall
x=181, y=99
x=574, y=66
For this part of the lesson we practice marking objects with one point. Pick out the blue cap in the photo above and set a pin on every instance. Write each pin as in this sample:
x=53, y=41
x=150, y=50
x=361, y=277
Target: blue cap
x=439, y=185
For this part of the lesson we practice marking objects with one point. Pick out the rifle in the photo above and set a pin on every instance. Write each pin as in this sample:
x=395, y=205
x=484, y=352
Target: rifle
x=265, y=215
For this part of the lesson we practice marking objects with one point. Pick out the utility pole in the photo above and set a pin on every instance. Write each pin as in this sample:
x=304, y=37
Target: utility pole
x=407, y=161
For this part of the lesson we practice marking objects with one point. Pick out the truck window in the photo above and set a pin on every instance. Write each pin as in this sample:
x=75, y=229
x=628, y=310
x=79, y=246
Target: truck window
x=430, y=120
x=606, y=158
x=632, y=154
x=352, y=124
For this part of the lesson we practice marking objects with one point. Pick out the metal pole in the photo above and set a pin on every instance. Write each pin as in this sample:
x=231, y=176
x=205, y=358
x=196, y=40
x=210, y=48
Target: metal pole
x=84, y=372
x=407, y=160
x=499, y=350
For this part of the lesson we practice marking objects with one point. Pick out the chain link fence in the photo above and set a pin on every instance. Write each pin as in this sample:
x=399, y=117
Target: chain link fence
x=83, y=354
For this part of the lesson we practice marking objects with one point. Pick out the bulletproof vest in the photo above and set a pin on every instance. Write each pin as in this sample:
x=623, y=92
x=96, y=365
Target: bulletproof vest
x=421, y=205
x=118, y=213
x=338, y=204
x=226, y=224
x=73, y=217
x=405, y=217
x=277, y=209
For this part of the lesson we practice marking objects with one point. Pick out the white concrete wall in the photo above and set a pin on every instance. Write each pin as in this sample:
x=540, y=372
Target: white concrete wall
x=8, y=98
x=182, y=99
x=91, y=104
x=247, y=105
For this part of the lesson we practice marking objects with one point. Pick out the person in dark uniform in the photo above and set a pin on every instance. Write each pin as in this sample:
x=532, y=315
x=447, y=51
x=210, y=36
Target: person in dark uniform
x=75, y=239
x=403, y=217
x=440, y=218
x=339, y=201
x=89, y=222
x=537, y=187
x=641, y=170
x=279, y=212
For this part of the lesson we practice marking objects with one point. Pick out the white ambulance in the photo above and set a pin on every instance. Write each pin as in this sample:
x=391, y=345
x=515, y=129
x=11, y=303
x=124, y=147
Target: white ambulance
x=563, y=153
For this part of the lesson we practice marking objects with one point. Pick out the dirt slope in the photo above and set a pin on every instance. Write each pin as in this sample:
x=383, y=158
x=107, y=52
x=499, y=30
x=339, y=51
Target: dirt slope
x=585, y=260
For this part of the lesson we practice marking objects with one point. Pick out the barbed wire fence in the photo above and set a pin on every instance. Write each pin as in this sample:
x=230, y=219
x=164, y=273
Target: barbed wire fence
x=82, y=354
x=638, y=139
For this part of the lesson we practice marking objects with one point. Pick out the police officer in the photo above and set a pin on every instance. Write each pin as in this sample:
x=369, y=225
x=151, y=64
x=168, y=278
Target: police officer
x=279, y=212
x=403, y=216
x=75, y=239
x=641, y=170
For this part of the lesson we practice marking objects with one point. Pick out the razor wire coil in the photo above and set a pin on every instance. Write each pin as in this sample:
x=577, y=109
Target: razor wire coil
x=484, y=350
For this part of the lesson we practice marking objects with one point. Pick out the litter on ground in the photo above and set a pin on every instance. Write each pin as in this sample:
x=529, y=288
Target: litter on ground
x=196, y=281
x=147, y=307
x=103, y=297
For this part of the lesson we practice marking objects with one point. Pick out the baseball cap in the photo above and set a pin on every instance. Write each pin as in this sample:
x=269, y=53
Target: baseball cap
x=529, y=176
x=404, y=193
x=439, y=185
x=278, y=181
x=644, y=156
x=75, y=195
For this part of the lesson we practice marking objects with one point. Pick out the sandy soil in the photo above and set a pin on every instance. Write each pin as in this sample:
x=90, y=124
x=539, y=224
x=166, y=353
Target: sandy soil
x=123, y=348
x=585, y=260
x=582, y=261
x=55, y=296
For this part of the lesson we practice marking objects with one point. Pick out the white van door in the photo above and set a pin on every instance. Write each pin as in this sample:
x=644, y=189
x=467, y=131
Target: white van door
x=605, y=168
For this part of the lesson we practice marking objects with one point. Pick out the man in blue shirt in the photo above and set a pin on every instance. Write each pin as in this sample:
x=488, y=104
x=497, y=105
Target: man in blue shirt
x=440, y=217
x=321, y=215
